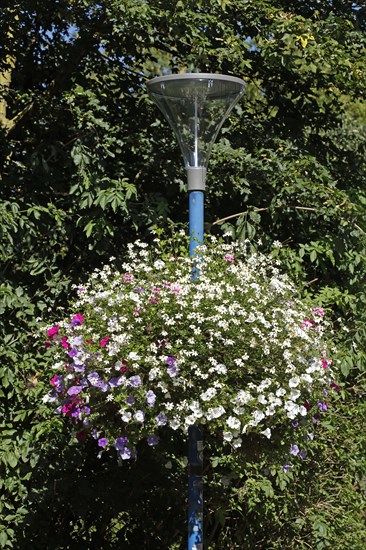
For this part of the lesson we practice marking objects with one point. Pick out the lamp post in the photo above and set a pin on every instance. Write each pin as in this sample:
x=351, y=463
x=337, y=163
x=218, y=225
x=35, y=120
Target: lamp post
x=196, y=106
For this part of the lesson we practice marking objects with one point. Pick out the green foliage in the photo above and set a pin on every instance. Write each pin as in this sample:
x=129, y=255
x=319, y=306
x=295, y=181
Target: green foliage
x=87, y=163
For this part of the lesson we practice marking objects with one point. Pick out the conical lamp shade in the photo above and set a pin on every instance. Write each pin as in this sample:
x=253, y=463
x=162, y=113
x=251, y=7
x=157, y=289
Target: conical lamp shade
x=196, y=105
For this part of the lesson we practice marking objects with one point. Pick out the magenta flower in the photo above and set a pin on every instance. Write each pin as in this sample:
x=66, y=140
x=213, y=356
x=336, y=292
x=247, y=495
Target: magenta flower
x=53, y=332
x=57, y=380
x=64, y=343
x=104, y=342
x=319, y=311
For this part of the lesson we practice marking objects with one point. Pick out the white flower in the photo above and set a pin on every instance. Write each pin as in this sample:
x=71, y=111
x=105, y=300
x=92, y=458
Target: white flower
x=126, y=416
x=294, y=394
x=228, y=436
x=262, y=399
x=267, y=432
x=233, y=423
x=257, y=416
x=208, y=395
x=294, y=382
x=133, y=356
x=215, y=412
x=139, y=416
x=243, y=397
x=236, y=443
x=174, y=423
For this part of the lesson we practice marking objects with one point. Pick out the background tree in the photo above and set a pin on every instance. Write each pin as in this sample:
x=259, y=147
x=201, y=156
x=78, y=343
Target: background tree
x=87, y=164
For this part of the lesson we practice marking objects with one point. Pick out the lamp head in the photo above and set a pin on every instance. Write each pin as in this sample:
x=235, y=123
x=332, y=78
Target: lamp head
x=196, y=106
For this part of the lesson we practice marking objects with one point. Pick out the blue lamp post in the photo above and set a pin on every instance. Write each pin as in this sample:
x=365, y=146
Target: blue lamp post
x=196, y=106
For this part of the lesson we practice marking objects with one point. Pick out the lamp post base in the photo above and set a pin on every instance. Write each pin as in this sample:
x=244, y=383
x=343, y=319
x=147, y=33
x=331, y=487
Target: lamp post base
x=195, y=489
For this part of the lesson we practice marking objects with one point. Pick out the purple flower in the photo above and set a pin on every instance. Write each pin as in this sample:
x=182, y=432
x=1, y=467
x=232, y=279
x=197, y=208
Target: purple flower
x=170, y=361
x=310, y=437
x=74, y=390
x=72, y=352
x=77, y=320
x=120, y=443
x=93, y=378
x=294, y=450
x=85, y=410
x=76, y=412
x=150, y=398
x=116, y=381
x=135, y=381
x=173, y=371
x=125, y=453
x=294, y=424
x=152, y=440
x=161, y=419
x=323, y=407
x=287, y=467
x=130, y=400
x=78, y=367
x=303, y=454
x=102, y=442
x=103, y=386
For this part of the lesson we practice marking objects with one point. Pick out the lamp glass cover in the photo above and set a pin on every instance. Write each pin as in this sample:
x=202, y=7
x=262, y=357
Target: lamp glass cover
x=196, y=106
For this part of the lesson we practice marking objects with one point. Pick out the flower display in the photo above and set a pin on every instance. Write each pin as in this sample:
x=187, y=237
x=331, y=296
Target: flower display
x=147, y=348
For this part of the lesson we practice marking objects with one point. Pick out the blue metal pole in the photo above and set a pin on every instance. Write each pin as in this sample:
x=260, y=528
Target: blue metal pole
x=195, y=439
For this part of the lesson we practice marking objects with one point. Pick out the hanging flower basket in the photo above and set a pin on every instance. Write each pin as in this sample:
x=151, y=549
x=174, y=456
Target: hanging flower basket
x=147, y=348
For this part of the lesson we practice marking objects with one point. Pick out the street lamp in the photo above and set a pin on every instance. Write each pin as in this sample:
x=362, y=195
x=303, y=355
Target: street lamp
x=196, y=106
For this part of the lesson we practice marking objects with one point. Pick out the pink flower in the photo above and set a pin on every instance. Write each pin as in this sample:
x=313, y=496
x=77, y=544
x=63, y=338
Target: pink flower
x=230, y=258
x=104, y=342
x=319, y=311
x=53, y=332
x=64, y=343
x=176, y=289
x=128, y=277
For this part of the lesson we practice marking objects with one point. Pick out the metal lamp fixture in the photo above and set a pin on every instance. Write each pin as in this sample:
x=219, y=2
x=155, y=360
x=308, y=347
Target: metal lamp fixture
x=196, y=106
